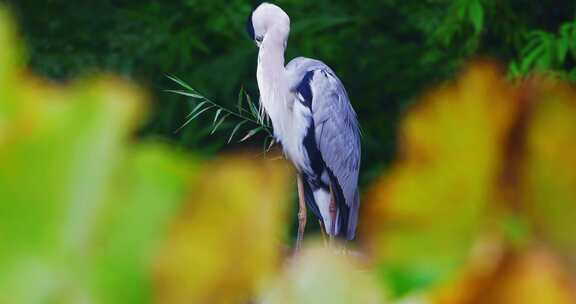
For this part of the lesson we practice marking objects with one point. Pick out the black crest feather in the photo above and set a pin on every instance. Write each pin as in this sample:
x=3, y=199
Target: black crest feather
x=249, y=24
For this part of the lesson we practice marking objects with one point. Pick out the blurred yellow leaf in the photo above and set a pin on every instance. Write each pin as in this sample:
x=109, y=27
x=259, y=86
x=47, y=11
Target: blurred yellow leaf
x=550, y=181
x=534, y=276
x=486, y=171
x=422, y=218
x=228, y=240
x=318, y=275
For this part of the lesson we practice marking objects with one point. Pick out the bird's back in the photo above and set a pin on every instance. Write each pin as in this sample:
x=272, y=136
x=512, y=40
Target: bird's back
x=336, y=134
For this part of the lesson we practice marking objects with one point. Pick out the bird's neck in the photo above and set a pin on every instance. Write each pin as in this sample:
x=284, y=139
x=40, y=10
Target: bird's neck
x=273, y=78
x=271, y=55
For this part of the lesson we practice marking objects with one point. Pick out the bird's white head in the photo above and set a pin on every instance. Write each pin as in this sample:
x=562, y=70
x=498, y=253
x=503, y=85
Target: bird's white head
x=268, y=22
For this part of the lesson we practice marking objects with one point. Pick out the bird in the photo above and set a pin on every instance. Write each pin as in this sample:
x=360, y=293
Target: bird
x=314, y=122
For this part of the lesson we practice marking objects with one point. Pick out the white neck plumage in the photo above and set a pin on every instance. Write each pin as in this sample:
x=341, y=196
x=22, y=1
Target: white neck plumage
x=272, y=76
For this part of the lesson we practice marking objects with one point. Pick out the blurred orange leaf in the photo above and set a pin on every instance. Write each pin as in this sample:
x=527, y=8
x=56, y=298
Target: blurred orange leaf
x=228, y=240
x=536, y=276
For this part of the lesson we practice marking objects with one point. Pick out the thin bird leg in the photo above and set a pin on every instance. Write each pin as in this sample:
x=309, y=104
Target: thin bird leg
x=332, y=210
x=301, y=214
x=323, y=233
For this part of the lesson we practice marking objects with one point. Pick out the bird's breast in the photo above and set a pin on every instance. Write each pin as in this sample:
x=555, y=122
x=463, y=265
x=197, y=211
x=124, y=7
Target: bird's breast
x=297, y=124
x=290, y=118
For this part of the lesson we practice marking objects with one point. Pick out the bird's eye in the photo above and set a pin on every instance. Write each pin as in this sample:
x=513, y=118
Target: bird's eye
x=259, y=38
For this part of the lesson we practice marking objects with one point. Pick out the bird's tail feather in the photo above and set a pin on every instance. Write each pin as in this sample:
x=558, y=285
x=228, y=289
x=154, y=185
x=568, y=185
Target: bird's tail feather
x=346, y=216
x=311, y=203
x=343, y=210
x=353, y=217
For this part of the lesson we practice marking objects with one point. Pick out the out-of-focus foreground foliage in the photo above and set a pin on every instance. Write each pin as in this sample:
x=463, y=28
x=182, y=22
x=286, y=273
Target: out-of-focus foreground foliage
x=478, y=207
x=480, y=203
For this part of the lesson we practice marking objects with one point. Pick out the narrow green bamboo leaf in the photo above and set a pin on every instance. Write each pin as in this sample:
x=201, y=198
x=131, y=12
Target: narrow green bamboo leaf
x=252, y=107
x=241, y=108
x=272, y=142
x=251, y=133
x=235, y=130
x=180, y=82
x=260, y=114
x=202, y=111
x=239, y=102
x=216, y=116
x=193, y=117
x=184, y=93
x=219, y=123
x=265, y=144
x=268, y=145
x=198, y=106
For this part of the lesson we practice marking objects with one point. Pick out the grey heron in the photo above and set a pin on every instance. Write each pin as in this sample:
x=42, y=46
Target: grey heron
x=314, y=122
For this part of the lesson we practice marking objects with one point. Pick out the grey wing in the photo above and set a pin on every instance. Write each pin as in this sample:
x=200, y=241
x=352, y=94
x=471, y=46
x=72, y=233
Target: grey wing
x=337, y=135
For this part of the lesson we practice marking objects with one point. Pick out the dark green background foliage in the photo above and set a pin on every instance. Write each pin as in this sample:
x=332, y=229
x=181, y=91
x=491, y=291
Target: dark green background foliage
x=387, y=52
